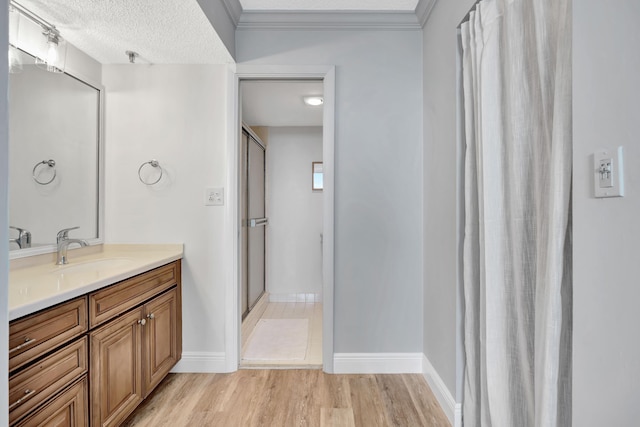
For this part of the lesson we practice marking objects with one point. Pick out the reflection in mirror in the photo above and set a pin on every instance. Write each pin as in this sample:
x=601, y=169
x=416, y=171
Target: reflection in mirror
x=54, y=137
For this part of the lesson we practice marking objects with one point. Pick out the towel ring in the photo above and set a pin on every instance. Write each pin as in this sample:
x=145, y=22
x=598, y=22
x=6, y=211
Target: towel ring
x=52, y=164
x=154, y=163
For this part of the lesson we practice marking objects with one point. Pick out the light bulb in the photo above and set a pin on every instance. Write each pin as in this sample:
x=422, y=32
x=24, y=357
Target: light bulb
x=313, y=101
x=52, y=52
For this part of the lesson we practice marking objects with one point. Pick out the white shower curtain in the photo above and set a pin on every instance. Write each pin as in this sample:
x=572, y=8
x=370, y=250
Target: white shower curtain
x=517, y=248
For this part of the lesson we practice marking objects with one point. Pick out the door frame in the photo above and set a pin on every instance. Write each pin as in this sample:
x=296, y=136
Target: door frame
x=326, y=73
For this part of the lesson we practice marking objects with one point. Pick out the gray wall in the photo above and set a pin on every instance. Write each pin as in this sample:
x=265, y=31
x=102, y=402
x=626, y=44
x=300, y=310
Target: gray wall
x=378, y=176
x=4, y=224
x=216, y=12
x=440, y=189
x=606, y=245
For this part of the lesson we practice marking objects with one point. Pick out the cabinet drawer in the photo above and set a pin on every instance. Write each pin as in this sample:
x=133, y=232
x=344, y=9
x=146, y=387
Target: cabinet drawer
x=69, y=409
x=41, y=381
x=116, y=299
x=39, y=333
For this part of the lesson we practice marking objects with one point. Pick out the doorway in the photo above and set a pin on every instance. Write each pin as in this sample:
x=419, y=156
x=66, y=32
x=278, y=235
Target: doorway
x=281, y=224
x=232, y=315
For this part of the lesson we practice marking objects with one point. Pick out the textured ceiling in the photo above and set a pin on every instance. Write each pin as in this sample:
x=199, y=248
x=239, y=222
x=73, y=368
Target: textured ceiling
x=280, y=103
x=325, y=5
x=161, y=31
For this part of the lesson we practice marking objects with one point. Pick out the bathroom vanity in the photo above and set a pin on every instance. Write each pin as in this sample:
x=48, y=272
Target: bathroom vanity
x=90, y=340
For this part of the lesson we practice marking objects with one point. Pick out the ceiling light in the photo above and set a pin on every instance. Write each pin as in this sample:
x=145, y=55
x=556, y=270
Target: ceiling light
x=313, y=101
x=52, y=53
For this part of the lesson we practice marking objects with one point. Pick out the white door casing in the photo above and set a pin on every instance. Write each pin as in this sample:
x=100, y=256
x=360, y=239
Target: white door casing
x=326, y=73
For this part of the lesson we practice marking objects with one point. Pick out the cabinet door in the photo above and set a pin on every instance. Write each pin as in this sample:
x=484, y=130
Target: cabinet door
x=116, y=369
x=68, y=409
x=163, y=336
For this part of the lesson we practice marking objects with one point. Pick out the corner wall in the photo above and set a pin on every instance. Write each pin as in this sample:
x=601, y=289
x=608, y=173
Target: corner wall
x=175, y=114
x=441, y=188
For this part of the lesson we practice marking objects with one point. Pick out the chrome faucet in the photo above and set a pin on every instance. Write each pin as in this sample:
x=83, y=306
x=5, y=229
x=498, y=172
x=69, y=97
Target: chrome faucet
x=24, y=238
x=63, y=241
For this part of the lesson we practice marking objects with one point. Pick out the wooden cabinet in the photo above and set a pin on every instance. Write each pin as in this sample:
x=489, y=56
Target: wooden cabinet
x=42, y=380
x=132, y=353
x=68, y=409
x=37, y=334
x=116, y=368
x=163, y=333
x=91, y=361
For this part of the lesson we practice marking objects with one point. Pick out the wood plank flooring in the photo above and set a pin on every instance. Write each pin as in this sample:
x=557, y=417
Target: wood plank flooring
x=283, y=398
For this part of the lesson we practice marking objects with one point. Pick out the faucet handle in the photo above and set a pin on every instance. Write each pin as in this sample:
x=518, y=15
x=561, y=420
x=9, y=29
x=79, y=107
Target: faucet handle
x=18, y=229
x=64, y=234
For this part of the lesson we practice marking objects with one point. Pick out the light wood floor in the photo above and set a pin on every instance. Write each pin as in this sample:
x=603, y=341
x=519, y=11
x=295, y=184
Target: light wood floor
x=283, y=398
x=286, y=310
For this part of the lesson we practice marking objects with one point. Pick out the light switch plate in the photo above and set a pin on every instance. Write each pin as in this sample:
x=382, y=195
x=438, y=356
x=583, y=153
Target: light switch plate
x=608, y=176
x=214, y=196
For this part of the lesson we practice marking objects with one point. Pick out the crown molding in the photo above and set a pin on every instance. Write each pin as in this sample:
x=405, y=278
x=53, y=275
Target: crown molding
x=234, y=10
x=329, y=20
x=423, y=10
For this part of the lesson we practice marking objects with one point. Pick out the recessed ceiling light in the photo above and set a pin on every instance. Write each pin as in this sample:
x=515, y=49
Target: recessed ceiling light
x=314, y=101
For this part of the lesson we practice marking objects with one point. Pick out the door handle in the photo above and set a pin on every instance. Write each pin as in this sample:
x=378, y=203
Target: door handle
x=257, y=222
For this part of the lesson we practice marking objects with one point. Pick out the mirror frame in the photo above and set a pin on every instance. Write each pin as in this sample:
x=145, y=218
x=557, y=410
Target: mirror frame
x=45, y=249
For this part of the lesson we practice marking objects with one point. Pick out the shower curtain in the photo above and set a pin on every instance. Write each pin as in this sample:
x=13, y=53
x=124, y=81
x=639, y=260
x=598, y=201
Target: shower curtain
x=517, y=248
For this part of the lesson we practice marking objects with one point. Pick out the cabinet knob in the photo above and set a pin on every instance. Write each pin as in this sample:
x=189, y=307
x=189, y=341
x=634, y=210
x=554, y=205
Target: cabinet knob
x=151, y=316
x=142, y=322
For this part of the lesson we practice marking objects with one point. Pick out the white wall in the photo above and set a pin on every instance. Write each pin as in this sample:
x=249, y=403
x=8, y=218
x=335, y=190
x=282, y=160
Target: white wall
x=175, y=114
x=606, y=244
x=294, y=252
x=440, y=190
x=378, y=176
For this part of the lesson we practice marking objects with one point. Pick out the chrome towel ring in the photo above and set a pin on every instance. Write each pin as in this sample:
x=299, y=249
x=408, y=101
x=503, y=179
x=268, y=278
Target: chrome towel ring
x=154, y=163
x=52, y=164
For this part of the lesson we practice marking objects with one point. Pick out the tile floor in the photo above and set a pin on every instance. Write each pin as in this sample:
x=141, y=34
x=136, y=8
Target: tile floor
x=286, y=310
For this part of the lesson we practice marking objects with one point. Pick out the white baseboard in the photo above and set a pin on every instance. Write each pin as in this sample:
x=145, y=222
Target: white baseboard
x=201, y=362
x=295, y=297
x=451, y=408
x=377, y=363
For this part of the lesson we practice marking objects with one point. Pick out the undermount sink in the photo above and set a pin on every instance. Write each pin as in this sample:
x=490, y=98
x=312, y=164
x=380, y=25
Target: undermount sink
x=93, y=265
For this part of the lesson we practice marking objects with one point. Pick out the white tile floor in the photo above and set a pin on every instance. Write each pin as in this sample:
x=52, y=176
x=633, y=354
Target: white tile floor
x=286, y=310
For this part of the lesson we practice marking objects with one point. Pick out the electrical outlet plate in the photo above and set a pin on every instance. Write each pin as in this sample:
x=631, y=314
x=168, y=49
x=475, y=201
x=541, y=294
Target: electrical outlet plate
x=214, y=196
x=608, y=176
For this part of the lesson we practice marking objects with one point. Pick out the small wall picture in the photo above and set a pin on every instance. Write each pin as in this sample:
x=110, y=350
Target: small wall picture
x=317, y=177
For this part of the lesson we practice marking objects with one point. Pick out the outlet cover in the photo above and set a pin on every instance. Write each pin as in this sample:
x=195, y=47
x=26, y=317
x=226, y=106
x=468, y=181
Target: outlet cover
x=214, y=196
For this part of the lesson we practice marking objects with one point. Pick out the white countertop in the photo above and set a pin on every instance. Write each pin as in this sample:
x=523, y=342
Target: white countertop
x=37, y=283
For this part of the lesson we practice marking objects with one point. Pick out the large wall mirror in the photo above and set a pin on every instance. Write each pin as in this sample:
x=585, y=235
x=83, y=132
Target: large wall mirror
x=54, y=158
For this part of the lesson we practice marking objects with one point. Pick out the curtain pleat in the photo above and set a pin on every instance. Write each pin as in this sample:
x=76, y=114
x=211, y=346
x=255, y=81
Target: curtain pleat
x=517, y=247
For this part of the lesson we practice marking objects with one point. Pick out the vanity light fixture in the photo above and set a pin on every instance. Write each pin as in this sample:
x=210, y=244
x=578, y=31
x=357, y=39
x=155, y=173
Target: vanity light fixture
x=15, y=66
x=52, y=55
x=313, y=101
